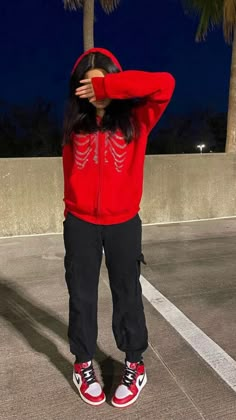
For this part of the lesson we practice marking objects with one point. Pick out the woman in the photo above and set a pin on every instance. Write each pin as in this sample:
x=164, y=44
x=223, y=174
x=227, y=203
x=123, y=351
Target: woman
x=109, y=116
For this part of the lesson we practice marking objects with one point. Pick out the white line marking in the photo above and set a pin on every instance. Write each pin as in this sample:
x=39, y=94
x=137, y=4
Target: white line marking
x=31, y=235
x=144, y=224
x=214, y=355
x=189, y=221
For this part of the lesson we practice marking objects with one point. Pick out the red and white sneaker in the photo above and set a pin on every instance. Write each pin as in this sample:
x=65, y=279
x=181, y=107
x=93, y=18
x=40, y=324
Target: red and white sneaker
x=133, y=381
x=86, y=382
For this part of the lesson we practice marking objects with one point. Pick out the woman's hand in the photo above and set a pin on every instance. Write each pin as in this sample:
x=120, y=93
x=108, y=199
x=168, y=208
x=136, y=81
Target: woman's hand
x=86, y=91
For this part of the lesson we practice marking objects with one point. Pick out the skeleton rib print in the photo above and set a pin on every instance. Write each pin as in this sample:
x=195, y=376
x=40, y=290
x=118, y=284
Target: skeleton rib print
x=86, y=148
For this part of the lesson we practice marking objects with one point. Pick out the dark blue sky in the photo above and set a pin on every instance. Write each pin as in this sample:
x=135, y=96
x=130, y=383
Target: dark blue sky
x=39, y=43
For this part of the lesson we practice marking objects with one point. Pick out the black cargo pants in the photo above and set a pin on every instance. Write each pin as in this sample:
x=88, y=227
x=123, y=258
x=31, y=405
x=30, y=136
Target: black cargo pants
x=84, y=243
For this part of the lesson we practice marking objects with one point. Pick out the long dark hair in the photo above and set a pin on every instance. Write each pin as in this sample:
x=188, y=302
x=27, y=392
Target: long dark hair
x=80, y=115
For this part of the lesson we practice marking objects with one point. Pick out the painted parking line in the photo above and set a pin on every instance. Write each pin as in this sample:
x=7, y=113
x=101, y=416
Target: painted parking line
x=211, y=353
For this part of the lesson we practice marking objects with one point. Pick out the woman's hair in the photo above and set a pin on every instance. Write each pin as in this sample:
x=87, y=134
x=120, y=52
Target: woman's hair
x=80, y=115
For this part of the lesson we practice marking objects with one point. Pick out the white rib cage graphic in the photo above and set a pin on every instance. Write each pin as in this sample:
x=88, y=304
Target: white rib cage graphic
x=83, y=148
x=115, y=150
x=116, y=146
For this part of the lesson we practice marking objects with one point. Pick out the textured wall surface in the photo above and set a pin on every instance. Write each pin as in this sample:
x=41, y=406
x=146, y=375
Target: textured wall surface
x=189, y=187
x=176, y=188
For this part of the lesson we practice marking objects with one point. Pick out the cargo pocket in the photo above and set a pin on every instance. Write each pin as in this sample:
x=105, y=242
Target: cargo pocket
x=140, y=260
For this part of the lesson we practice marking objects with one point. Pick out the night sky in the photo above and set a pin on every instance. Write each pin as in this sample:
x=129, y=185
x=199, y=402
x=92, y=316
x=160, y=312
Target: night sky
x=40, y=41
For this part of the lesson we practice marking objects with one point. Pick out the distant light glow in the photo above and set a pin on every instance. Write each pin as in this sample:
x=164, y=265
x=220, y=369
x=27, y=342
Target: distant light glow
x=201, y=147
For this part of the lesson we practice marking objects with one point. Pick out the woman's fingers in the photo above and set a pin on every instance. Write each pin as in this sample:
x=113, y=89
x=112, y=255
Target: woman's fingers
x=87, y=85
x=86, y=91
x=86, y=81
x=85, y=94
x=83, y=89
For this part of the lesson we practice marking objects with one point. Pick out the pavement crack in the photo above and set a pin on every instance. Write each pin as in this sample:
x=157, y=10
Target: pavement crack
x=171, y=373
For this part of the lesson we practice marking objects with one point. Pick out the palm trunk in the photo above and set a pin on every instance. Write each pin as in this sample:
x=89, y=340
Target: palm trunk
x=231, y=128
x=88, y=24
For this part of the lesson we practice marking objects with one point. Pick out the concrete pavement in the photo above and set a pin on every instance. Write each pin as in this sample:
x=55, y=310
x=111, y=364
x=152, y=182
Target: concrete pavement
x=192, y=264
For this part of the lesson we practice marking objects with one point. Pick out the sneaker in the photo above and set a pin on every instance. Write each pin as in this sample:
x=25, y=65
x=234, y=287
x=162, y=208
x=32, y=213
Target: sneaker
x=86, y=382
x=133, y=381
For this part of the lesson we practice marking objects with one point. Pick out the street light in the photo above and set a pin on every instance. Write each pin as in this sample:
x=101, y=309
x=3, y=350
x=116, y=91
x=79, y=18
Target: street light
x=200, y=147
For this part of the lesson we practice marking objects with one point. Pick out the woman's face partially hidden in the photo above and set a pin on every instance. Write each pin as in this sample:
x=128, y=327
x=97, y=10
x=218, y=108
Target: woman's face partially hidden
x=98, y=73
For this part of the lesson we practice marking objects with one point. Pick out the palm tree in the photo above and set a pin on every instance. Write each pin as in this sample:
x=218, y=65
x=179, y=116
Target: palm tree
x=88, y=15
x=220, y=12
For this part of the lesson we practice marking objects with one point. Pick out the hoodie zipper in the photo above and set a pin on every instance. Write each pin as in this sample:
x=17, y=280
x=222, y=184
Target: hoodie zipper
x=101, y=138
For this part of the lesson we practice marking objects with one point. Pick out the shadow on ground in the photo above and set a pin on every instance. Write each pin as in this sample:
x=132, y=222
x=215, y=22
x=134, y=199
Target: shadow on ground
x=26, y=317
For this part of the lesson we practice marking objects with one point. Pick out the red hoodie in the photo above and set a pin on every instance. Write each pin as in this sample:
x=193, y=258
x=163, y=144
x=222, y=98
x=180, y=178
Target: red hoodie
x=103, y=175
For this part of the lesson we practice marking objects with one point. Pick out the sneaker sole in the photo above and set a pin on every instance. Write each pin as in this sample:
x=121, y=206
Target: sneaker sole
x=85, y=399
x=134, y=399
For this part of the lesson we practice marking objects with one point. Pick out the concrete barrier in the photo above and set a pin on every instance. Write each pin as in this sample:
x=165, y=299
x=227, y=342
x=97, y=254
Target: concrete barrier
x=176, y=188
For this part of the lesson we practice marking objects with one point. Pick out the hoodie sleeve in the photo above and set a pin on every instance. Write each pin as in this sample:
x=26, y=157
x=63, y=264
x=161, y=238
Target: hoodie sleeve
x=67, y=160
x=156, y=88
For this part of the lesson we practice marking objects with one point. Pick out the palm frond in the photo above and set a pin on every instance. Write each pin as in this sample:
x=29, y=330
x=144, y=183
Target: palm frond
x=209, y=11
x=109, y=5
x=229, y=21
x=73, y=4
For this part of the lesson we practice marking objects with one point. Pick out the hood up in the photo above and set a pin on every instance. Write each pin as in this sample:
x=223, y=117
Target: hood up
x=100, y=50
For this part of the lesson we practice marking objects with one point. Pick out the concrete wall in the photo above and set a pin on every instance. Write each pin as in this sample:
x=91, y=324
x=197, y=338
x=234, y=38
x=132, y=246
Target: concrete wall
x=30, y=196
x=189, y=187
x=176, y=188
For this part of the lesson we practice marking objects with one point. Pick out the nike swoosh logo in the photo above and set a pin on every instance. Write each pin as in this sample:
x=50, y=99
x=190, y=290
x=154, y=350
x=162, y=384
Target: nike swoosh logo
x=141, y=380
